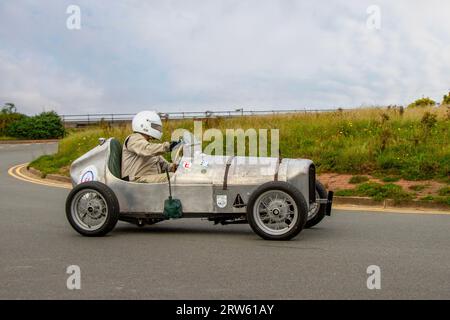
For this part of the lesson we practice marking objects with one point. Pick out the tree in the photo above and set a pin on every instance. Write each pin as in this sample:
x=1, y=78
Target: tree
x=9, y=108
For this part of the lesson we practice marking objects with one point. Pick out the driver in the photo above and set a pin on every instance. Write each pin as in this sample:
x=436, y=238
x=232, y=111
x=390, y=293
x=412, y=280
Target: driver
x=142, y=159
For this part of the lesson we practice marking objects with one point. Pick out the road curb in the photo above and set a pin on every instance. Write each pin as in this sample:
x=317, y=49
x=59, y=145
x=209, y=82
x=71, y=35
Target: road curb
x=52, y=177
x=389, y=203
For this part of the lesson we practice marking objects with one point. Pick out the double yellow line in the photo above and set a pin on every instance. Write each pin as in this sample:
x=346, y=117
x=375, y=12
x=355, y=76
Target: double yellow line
x=16, y=172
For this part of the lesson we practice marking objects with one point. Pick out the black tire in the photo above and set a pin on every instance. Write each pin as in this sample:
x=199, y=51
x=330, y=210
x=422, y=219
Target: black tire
x=112, y=210
x=299, y=200
x=320, y=189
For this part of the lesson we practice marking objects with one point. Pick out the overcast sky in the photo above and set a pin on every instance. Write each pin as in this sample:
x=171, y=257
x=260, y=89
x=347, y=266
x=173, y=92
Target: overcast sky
x=221, y=55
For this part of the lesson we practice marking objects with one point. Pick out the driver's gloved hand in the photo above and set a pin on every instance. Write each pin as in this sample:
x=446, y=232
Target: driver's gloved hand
x=173, y=144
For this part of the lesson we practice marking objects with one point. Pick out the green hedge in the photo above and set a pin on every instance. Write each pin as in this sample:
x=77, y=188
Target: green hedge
x=6, y=119
x=46, y=125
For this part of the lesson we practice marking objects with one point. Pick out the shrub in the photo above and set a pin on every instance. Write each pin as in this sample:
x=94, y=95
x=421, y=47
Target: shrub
x=8, y=115
x=423, y=102
x=46, y=125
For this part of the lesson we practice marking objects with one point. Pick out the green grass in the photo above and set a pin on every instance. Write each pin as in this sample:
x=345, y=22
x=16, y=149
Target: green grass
x=444, y=191
x=390, y=179
x=418, y=187
x=377, y=191
x=358, y=179
x=368, y=141
x=346, y=193
x=439, y=199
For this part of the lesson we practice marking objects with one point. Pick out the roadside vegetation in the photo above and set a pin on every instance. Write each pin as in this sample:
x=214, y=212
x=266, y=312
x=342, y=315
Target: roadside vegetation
x=14, y=125
x=413, y=144
x=377, y=191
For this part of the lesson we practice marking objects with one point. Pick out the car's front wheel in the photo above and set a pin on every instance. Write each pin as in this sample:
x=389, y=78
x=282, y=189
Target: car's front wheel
x=92, y=209
x=277, y=211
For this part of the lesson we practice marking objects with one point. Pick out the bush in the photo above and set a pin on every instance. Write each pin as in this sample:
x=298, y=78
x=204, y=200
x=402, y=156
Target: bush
x=7, y=119
x=8, y=115
x=423, y=102
x=46, y=125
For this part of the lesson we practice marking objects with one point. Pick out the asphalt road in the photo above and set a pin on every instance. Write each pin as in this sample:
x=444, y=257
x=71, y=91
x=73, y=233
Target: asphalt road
x=193, y=259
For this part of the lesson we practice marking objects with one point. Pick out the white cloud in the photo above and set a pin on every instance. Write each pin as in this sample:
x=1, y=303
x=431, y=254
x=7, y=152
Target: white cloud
x=36, y=84
x=267, y=53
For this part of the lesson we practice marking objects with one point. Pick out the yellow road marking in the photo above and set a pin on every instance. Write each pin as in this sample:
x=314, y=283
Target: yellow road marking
x=15, y=172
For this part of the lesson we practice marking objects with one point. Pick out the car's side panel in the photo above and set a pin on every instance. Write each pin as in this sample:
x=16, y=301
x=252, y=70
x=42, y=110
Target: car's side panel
x=199, y=184
x=95, y=161
x=149, y=197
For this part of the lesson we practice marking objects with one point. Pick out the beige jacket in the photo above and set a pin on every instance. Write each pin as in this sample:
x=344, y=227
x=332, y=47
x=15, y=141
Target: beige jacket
x=142, y=158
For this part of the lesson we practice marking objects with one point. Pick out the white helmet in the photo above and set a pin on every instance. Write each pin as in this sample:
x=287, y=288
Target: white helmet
x=149, y=123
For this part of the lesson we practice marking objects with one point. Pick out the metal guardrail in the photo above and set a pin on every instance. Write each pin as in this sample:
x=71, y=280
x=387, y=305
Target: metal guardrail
x=94, y=118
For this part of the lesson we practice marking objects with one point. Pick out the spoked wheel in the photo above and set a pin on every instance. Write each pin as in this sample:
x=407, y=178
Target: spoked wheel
x=92, y=209
x=277, y=211
x=317, y=211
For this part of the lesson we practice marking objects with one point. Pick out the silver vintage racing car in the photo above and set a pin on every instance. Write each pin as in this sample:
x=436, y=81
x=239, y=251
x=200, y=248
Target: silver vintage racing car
x=277, y=197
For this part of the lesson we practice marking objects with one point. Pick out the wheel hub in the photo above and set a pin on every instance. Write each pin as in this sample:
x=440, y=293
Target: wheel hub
x=277, y=210
x=95, y=209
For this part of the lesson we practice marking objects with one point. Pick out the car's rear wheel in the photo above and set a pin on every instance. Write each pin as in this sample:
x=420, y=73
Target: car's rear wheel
x=317, y=211
x=92, y=209
x=277, y=211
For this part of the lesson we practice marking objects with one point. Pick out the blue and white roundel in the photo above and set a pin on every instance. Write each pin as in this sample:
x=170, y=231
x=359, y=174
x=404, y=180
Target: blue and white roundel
x=88, y=174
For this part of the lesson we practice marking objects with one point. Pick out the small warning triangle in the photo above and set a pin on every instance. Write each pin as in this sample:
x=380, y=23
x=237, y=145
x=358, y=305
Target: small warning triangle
x=238, y=202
